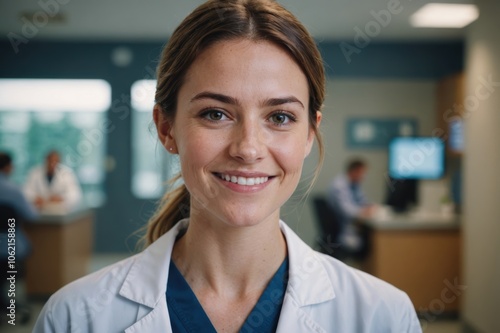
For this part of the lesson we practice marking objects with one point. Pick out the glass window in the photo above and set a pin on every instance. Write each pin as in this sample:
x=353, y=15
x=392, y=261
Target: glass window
x=38, y=115
x=152, y=166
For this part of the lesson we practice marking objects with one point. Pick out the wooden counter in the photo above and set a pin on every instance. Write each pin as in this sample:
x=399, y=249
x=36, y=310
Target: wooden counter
x=420, y=255
x=62, y=246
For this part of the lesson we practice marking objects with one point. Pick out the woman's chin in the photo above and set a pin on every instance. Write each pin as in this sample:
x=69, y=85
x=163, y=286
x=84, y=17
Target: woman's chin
x=240, y=218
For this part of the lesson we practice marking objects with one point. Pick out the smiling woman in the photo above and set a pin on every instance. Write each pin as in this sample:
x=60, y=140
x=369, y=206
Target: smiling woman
x=239, y=94
x=242, y=114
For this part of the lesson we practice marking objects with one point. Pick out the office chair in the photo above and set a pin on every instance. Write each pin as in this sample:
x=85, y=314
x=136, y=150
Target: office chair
x=23, y=312
x=329, y=227
x=6, y=212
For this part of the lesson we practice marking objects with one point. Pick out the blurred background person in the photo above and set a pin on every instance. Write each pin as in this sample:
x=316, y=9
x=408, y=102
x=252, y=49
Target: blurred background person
x=10, y=194
x=14, y=209
x=349, y=203
x=53, y=184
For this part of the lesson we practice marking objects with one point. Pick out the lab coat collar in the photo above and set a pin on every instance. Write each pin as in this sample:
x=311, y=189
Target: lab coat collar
x=308, y=283
x=146, y=282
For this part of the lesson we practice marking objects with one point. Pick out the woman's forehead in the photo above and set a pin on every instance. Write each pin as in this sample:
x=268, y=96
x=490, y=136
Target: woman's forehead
x=247, y=68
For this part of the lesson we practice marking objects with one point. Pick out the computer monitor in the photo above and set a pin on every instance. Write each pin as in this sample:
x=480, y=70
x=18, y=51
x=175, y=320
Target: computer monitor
x=412, y=159
x=416, y=158
x=401, y=194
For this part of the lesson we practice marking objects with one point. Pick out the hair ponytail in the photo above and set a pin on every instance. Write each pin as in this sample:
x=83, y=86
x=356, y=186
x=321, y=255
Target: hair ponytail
x=173, y=207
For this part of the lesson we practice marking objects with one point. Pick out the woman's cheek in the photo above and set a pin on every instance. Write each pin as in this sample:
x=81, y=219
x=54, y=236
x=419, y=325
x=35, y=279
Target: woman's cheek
x=291, y=152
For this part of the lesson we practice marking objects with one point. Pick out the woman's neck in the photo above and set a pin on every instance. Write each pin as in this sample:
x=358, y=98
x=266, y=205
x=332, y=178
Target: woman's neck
x=230, y=261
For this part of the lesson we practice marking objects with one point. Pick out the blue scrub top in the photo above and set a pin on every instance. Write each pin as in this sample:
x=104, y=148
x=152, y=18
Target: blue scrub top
x=187, y=314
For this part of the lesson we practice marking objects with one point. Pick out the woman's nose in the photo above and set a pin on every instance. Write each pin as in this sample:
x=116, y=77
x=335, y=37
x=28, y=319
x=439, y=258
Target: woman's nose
x=248, y=142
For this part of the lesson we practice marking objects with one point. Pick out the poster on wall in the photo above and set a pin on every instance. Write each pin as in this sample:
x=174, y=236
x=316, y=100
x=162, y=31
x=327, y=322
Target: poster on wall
x=376, y=133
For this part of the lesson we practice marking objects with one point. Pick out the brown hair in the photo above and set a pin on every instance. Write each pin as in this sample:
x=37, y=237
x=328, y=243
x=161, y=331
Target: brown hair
x=222, y=20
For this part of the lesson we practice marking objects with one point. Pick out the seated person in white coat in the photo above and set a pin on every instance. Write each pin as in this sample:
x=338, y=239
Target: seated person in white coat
x=349, y=202
x=53, y=183
x=240, y=86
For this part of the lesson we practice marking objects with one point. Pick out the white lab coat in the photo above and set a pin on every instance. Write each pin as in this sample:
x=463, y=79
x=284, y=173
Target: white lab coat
x=323, y=295
x=64, y=184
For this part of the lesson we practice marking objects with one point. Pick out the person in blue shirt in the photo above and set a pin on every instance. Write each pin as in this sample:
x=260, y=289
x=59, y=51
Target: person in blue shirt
x=240, y=89
x=349, y=202
x=12, y=194
x=14, y=207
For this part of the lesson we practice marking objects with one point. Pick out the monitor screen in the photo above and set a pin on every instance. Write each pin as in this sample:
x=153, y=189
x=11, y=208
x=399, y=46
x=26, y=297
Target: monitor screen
x=416, y=158
x=456, y=137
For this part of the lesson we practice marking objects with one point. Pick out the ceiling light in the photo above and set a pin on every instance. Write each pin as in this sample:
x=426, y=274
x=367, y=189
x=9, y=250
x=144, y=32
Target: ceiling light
x=444, y=15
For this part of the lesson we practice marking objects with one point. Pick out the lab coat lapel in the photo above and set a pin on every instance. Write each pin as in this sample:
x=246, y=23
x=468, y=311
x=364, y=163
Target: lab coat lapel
x=146, y=284
x=308, y=284
x=294, y=319
x=157, y=320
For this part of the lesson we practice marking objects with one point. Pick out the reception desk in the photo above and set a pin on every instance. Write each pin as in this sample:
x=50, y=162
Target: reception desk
x=62, y=246
x=421, y=255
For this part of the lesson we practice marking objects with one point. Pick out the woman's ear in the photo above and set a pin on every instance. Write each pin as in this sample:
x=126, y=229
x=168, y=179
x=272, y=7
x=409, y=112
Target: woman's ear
x=164, y=129
x=311, y=135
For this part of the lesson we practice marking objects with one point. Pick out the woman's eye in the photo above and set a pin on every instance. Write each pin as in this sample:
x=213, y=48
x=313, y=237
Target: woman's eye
x=214, y=115
x=281, y=118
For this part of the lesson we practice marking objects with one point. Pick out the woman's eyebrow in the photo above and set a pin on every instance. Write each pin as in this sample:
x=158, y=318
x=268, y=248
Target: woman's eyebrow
x=234, y=101
x=281, y=101
x=218, y=97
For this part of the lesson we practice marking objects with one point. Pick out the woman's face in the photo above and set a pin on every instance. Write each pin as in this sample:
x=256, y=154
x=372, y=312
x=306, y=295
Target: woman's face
x=241, y=131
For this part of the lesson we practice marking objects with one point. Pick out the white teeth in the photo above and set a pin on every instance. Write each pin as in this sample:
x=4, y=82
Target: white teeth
x=244, y=180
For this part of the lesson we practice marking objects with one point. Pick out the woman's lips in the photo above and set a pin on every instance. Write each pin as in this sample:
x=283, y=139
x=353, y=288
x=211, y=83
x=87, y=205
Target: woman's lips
x=241, y=180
